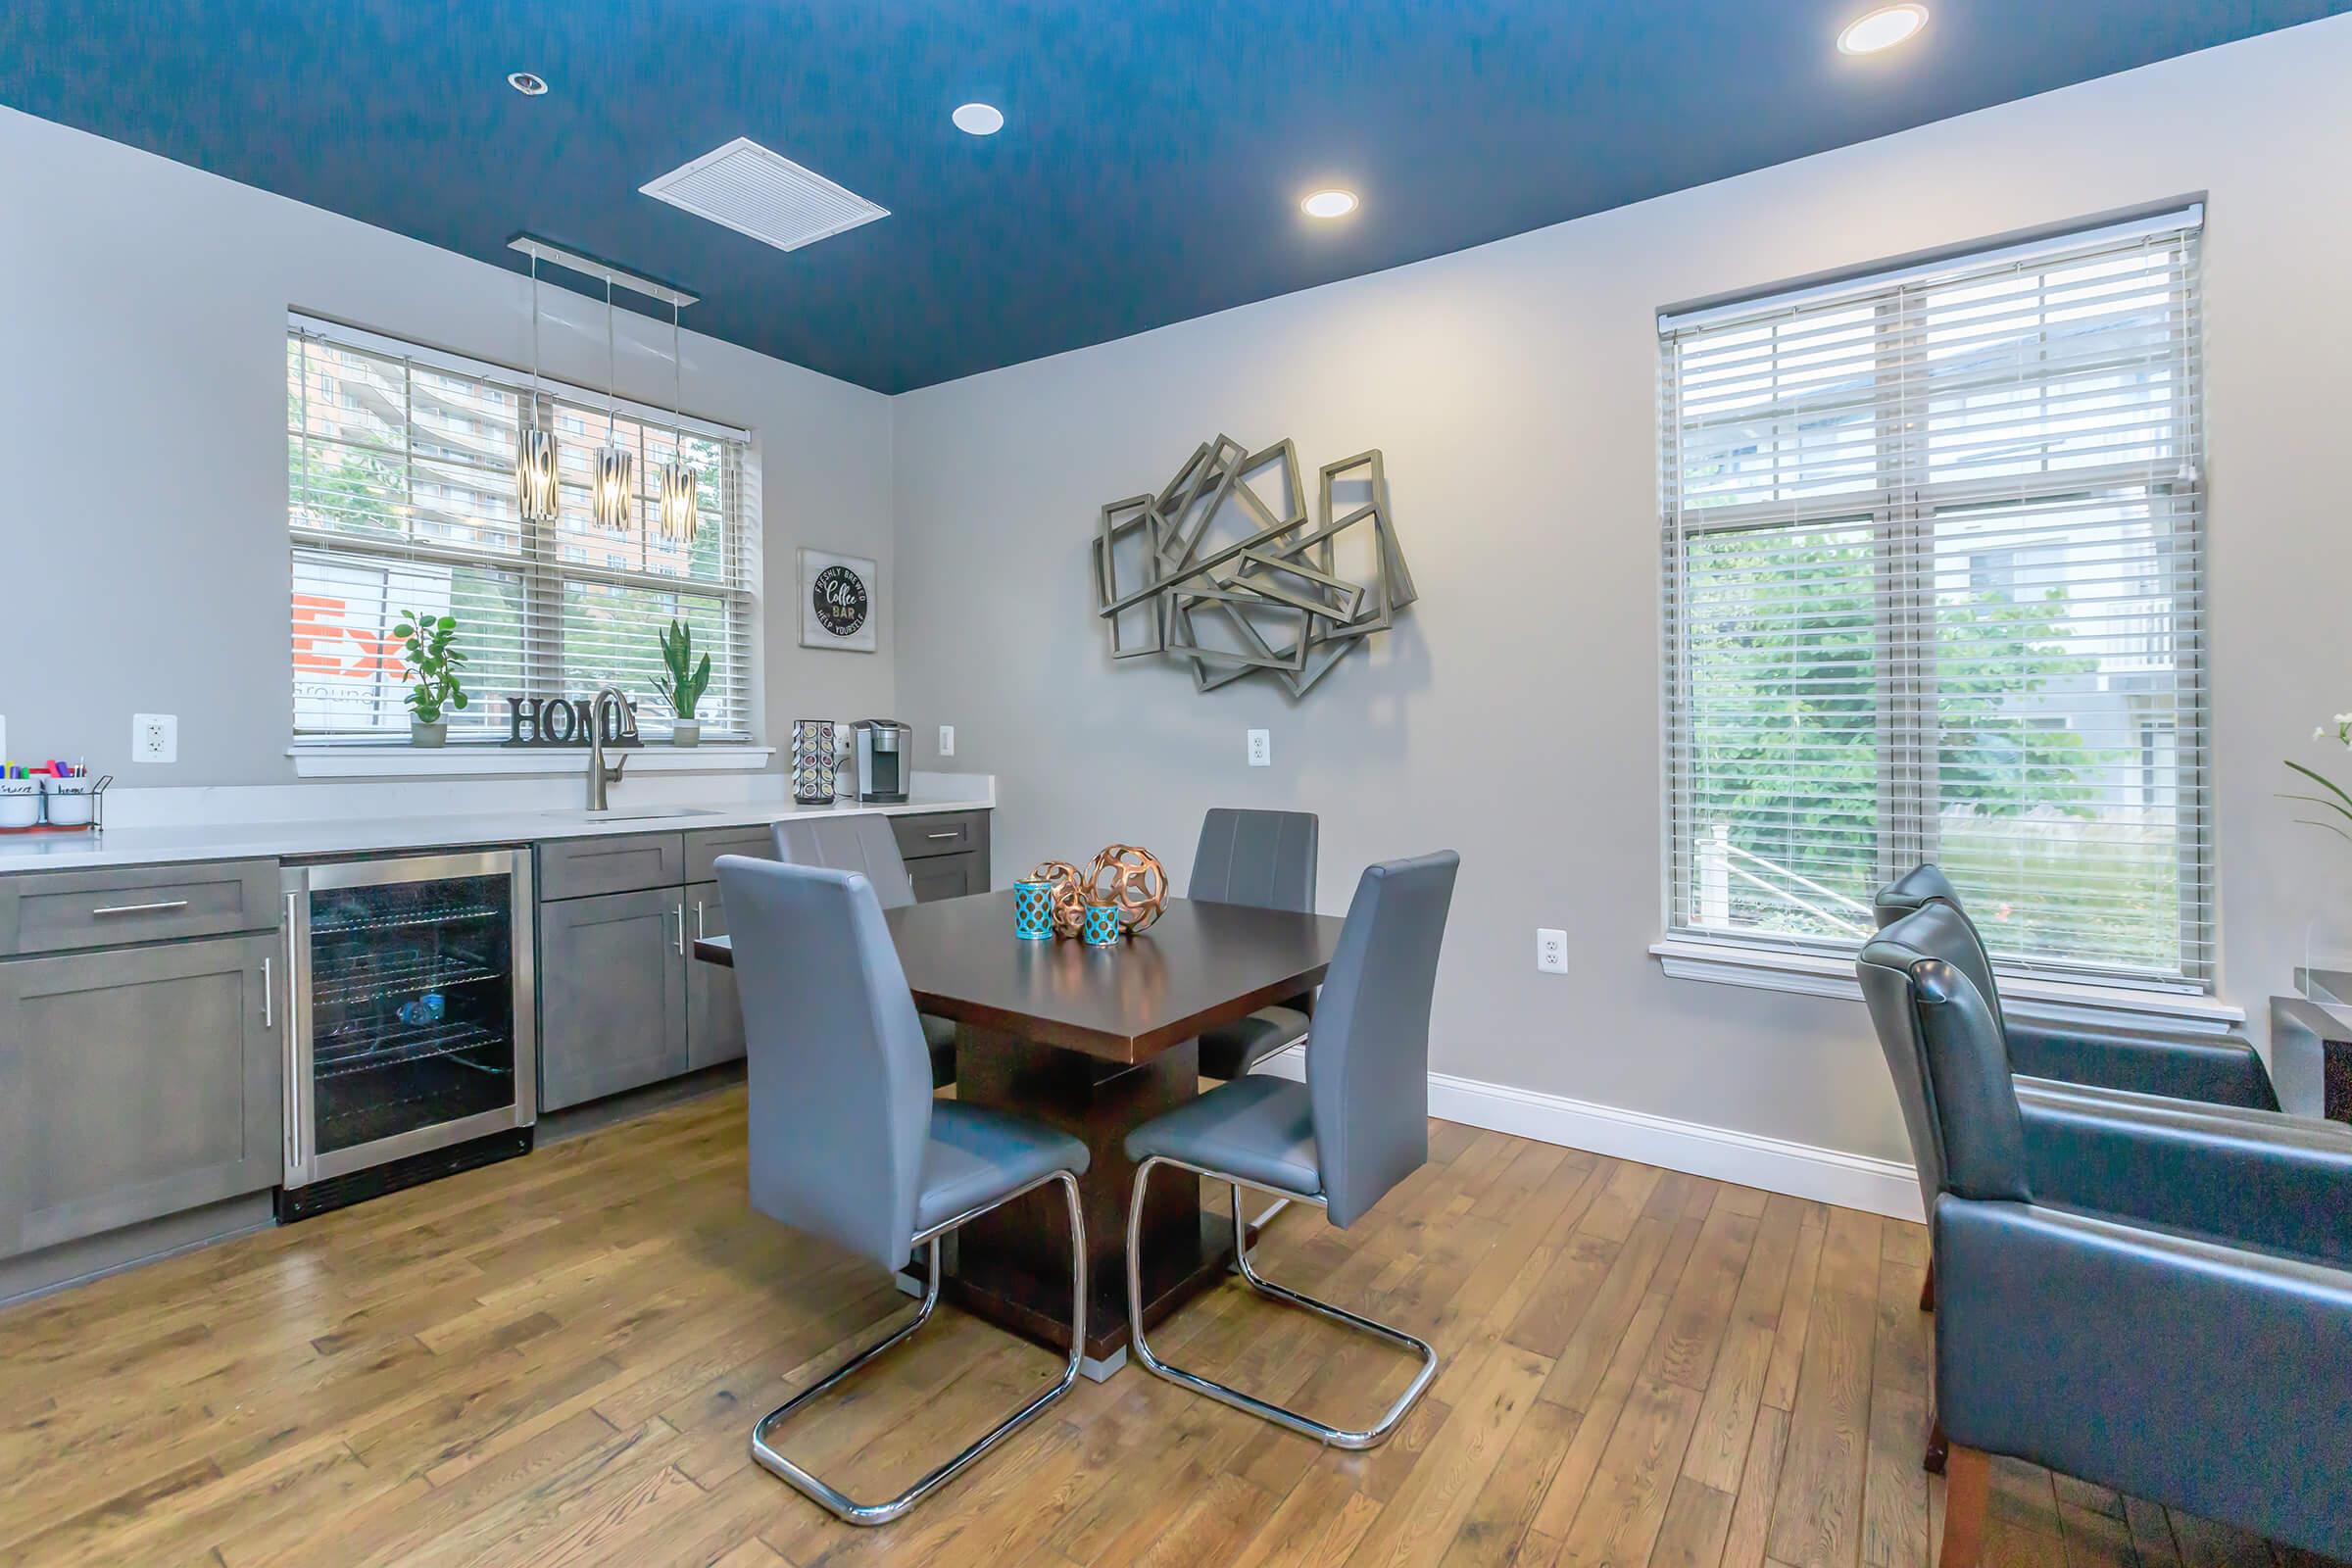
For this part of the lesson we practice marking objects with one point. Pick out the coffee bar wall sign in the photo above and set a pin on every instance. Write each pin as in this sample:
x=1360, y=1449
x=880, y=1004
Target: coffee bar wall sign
x=564, y=722
x=840, y=601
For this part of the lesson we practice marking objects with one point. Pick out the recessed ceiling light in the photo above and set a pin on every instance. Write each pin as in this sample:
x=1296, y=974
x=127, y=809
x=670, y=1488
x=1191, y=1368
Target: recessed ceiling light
x=978, y=120
x=1882, y=29
x=524, y=82
x=1329, y=204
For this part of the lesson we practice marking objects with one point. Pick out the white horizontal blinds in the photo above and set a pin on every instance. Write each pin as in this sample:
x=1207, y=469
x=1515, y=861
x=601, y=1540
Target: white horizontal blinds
x=1934, y=591
x=400, y=496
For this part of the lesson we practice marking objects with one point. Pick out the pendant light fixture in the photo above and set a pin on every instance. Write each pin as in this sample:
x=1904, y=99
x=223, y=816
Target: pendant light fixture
x=678, y=497
x=616, y=466
x=535, y=494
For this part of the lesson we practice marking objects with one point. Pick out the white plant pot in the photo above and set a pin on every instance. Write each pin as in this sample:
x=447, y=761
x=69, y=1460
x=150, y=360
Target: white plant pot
x=433, y=734
x=686, y=732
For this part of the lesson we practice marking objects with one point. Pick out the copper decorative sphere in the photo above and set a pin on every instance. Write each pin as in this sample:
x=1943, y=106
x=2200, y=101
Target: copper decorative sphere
x=1132, y=879
x=1065, y=896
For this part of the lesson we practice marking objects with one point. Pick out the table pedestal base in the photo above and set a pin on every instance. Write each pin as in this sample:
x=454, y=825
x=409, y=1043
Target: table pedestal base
x=1011, y=1266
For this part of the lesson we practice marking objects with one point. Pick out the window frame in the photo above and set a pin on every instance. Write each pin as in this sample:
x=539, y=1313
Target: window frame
x=1902, y=502
x=539, y=563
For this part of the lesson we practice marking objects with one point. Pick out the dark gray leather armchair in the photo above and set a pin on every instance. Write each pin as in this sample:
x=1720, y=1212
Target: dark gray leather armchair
x=2217, y=1069
x=1265, y=859
x=867, y=843
x=2155, y=1300
x=1354, y=1129
x=846, y=1141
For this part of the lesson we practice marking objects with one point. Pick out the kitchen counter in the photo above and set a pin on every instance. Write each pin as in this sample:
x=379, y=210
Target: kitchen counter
x=358, y=832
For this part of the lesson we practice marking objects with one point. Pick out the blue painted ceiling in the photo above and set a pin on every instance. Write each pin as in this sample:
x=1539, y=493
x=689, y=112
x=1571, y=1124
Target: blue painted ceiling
x=1153, y=156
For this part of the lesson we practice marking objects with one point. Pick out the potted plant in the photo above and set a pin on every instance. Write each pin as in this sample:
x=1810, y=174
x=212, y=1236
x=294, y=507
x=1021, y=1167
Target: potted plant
x=685, y=683
x=432, y=664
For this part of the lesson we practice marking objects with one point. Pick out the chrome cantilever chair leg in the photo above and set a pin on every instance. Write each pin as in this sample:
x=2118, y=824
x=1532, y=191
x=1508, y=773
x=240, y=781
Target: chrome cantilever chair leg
x=853, y=1512
x=1330, y=1436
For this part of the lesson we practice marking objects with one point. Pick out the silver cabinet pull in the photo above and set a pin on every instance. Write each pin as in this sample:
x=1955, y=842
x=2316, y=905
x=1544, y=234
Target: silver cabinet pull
x=269, y=997
x=947, y=835
x=699, y=933
x=680, y=912
x=141, y=909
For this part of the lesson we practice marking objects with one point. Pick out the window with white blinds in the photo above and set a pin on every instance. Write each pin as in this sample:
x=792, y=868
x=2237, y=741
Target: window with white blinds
x=1933, y=582
x=401, y=496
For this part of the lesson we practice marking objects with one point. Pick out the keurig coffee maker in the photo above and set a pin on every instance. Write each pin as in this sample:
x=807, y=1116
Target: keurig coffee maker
x=885, y=758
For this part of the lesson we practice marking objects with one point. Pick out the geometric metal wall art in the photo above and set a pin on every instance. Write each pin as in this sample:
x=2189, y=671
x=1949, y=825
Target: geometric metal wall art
x=1223, y=568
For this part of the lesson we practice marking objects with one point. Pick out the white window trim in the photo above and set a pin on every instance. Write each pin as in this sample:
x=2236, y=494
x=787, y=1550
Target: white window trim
x=1811, y=974
x=472, y=760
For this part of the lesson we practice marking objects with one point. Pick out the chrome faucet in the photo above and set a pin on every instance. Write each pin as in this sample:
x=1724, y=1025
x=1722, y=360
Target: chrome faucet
x=600, y=776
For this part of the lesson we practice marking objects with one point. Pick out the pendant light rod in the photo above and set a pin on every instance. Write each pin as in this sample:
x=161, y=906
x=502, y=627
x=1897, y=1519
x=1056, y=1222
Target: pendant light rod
x=540, y=250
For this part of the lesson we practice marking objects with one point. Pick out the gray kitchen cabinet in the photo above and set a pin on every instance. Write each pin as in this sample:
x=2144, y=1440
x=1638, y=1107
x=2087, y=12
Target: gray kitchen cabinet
x=61, y=912
x=948, y=876
x=136, y=1084
x=581, y=868
x=611, y=995
x=714, y=1014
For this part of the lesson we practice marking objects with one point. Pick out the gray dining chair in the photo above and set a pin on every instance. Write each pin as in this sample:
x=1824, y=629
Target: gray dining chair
x=1265, y=859
x=1354, y=1129
x=866, y=843
x=846, y=1140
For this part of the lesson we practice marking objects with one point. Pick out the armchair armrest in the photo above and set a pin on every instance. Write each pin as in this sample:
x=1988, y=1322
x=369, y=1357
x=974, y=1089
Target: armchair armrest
x=2282, y=1183
x=2221, y=1069
x=2207, y=1377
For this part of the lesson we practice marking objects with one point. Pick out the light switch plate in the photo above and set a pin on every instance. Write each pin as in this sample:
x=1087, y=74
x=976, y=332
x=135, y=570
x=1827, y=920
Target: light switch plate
x=1262, y=748
x=1552, y=949
x=947, y=739
x=155, y=737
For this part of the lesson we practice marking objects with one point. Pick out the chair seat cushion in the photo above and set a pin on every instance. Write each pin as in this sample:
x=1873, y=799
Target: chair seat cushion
x=977, y=1155
x=1231, y=1050
x=1258, y=1129
x=940, y=1035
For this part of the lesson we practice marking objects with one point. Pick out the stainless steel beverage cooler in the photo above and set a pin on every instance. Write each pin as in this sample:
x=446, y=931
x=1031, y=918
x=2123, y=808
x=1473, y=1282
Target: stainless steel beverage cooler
x=414, y=1049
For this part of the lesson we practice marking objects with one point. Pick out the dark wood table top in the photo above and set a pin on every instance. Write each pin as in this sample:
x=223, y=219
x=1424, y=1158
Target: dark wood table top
x=1199, y=966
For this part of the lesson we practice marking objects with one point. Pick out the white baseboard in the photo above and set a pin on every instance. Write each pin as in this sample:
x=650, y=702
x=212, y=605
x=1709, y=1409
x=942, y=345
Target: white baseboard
x=1750, y=1159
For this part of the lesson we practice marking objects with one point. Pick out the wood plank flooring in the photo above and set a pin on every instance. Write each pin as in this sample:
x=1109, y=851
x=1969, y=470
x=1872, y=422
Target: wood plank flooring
x=559, y=1361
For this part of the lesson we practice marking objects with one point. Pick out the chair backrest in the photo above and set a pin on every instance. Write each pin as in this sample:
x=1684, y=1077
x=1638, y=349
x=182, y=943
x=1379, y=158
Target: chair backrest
x=1367, y=1061
x=861, y=843
x=840, y=1078
x=1949, y=1061
x=1925, y=885
x=1262, y=859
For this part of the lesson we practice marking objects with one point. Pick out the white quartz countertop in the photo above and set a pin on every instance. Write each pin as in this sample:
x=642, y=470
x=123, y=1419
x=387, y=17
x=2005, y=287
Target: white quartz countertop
x=222, y=835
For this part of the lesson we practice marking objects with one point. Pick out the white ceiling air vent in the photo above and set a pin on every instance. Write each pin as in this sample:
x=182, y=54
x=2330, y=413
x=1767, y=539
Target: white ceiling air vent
x=764, y=194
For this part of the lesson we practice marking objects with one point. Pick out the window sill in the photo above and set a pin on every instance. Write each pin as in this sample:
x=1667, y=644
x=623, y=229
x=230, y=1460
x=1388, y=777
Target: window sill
x=475, y=760
x=2043, y=1000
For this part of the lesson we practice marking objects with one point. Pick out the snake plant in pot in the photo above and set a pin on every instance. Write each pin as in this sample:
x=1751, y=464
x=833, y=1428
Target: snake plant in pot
x=431, y=661
x=685, y=683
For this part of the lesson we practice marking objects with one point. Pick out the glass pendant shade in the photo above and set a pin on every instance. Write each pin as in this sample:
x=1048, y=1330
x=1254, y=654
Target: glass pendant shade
x=677, y=502
x=535, y=495
x=616, y=481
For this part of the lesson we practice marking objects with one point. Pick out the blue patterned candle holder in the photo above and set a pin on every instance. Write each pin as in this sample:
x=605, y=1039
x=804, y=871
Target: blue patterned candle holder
x=1102, y=929
x=1032, y=911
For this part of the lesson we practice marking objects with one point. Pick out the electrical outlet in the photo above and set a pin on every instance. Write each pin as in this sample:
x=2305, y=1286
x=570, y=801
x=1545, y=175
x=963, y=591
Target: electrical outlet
x=1262, y=748
x=155, y=737
x=947, y=739
x=1552, y=949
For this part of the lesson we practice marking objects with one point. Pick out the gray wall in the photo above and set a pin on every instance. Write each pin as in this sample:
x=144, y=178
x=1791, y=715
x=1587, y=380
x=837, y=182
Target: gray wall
x=143, y=407
x=1514, y=713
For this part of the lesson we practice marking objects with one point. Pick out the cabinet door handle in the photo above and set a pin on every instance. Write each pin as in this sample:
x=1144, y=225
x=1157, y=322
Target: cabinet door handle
x=141, y=909
x=680, y=912
x=700, y=934
x=952, y=834
x=269, y=997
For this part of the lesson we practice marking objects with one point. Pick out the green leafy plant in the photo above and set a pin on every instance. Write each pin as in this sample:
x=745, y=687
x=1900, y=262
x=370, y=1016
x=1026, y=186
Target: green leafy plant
x=2335, y=800
x=429, y=651
x=687, y=680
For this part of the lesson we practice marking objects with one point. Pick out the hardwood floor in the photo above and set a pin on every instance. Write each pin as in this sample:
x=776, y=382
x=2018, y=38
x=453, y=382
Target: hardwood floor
x=559, y=1361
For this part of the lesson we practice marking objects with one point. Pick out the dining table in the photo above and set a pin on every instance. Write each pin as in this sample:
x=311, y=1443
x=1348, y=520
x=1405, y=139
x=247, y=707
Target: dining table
x=1095, y=1041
